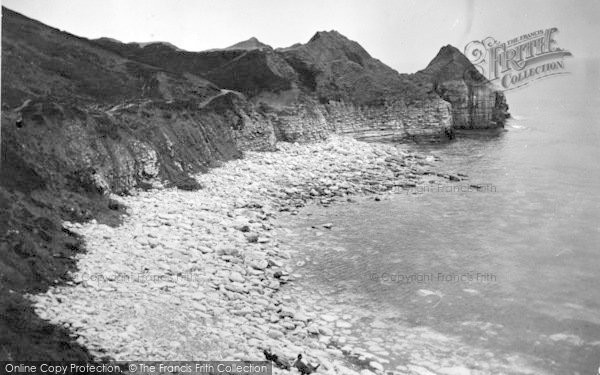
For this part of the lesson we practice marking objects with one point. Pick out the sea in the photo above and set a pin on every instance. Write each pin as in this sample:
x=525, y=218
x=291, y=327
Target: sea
x=503, y=279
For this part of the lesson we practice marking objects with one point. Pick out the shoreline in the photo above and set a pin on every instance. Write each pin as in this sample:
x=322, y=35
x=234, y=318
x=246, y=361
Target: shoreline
x=191, y=274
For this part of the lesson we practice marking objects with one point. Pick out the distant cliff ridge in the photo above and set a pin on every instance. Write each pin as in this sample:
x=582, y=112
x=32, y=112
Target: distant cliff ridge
x=121, y=114
x=331, y=72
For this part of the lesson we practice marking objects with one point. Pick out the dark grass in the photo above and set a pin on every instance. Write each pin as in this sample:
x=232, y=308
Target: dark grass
x=36, y=253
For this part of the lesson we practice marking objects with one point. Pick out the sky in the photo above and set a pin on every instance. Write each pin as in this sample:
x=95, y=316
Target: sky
x=404, y=34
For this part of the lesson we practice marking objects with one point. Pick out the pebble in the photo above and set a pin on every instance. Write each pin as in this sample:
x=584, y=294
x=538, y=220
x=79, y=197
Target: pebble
x=236, y=277
x=259, y=264
x=457, y=370
x=287, y=312
x=418, y=370
x=343, y=324
x=274, y=334
x=236, y=287
x=376, y=366
x=329, y=317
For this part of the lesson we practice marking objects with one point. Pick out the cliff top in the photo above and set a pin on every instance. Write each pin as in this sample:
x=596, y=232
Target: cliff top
x=451, y=64
x=249, y=44
x=329, y=66
x=73, y=69
x=157, y=43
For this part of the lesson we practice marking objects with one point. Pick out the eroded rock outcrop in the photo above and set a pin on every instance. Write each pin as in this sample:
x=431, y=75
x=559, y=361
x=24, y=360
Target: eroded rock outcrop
x=476, y=104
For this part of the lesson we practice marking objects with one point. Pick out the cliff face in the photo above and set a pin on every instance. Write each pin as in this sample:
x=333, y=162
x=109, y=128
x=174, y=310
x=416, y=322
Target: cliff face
x=115, y=148
x=475, y=102
x=428, y=119
x=330, y=84
x=352, y=93
x=79, y=109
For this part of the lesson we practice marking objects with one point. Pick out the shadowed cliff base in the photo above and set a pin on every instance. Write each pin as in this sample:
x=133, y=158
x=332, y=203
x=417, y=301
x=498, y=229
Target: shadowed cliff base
x=36, y=252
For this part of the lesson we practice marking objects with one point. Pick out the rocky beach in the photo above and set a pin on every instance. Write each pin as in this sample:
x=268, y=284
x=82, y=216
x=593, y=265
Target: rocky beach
x=327, y=188
x=141, y=187
x=198, y=275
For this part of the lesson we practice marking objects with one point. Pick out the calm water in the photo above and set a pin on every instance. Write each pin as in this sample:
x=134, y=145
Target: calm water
x=534, y=241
